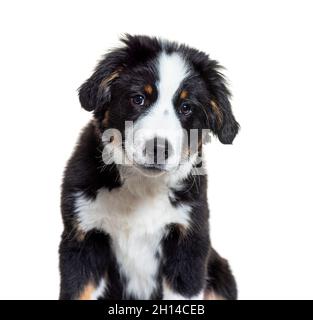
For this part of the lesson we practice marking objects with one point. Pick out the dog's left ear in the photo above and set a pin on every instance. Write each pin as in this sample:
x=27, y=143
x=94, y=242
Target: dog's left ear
x=221, y=120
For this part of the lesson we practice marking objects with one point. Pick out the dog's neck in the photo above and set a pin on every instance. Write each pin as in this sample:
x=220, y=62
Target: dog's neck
x=140, y=183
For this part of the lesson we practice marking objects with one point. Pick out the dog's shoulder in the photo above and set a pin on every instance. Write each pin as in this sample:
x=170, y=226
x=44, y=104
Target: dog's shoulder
x=85, y=170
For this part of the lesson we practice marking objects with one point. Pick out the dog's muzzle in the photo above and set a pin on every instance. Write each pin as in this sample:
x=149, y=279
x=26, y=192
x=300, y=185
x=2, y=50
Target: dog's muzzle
x=156, y=153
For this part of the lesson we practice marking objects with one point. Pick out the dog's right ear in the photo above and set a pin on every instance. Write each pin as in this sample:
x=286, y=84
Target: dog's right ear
x=95, y=92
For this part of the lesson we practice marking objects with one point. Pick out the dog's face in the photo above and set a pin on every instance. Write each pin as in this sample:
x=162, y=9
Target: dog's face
x=159, y=98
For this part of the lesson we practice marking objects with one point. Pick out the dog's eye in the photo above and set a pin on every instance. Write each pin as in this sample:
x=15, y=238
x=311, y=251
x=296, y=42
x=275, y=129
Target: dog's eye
x=138, y=100
x=185, y=109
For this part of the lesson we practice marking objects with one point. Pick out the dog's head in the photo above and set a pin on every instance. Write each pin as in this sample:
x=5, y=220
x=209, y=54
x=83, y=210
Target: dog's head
x=156, y=95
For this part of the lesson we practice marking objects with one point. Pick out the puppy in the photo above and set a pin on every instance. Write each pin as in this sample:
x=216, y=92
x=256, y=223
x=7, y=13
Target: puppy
x=134, y=203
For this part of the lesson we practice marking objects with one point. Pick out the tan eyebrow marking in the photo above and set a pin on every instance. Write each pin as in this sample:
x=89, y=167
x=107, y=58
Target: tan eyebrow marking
x=183, y=94
x=148, y=89
x=106, y=118
x=218, y=112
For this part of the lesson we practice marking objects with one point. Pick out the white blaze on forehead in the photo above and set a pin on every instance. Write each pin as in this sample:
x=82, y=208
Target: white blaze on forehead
x=172, y=71
x=161, y=119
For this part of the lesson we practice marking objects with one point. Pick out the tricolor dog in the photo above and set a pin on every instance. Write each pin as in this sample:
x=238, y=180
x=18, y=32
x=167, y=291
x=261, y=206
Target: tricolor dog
x=134, y=194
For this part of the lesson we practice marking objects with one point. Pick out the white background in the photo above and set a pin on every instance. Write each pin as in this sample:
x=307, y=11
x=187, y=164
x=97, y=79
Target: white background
x=260, y=189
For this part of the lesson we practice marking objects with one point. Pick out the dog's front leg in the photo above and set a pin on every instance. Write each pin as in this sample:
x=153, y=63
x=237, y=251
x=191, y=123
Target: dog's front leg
x=83, y=264
x=185, y=257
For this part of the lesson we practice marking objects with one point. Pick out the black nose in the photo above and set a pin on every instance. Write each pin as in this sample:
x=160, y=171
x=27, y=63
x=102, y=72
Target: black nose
x=157, y=150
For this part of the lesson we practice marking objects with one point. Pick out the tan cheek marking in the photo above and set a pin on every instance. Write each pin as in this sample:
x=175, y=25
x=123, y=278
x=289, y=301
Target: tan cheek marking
x=148, y=89
x=106, y=118
x=188, y=151
x=200, y=142
x=217, y=112
x=183, y=94
x=87, y=292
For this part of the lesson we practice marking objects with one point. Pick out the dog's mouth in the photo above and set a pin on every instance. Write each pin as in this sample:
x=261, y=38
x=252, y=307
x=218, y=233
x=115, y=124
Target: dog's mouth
x=152, y=167
x=151, y=170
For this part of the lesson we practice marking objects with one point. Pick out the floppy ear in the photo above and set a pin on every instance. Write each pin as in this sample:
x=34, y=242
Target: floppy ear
x=95, y=92
x=222, y=120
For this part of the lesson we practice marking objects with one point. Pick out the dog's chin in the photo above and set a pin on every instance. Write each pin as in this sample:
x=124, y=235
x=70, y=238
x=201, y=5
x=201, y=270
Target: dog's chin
x=151, y=170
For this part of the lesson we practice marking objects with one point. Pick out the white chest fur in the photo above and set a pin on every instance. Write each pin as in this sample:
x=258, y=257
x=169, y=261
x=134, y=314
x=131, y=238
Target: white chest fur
x=135, y=216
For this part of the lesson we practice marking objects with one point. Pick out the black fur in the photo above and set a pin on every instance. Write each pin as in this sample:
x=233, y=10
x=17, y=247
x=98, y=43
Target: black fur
x=188, y=261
